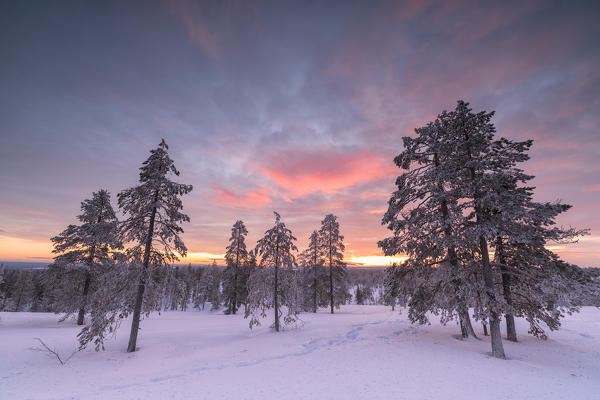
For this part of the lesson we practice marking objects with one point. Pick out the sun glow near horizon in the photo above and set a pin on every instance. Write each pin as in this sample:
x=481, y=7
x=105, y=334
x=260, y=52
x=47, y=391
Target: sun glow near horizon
x=362, y=261
x=376, y=260
x=17, y=249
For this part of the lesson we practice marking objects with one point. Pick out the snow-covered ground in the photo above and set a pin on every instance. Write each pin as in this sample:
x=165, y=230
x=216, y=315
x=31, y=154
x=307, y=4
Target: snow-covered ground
x=362, y=352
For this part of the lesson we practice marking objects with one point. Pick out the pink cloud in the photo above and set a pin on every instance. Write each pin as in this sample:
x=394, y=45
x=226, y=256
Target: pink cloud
x=328, y=171
x=595, y=188
x=252, y=199
x=24, y=210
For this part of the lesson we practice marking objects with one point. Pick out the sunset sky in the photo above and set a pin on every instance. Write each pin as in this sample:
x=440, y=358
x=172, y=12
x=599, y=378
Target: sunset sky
x=297, y=107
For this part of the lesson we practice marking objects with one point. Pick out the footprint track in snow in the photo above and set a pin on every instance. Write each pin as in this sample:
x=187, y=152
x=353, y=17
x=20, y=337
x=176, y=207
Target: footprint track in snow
x=351, y=336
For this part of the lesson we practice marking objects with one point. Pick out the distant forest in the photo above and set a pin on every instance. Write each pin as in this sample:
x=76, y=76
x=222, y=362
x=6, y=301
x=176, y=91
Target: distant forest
x=188, y=288
x=181, y=288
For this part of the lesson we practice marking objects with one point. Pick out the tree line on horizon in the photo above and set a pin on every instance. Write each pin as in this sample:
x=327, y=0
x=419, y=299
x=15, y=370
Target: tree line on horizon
x=461, y=198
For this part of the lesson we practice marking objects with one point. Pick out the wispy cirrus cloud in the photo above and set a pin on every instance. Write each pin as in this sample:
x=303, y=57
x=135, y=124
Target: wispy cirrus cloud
x=216, y=27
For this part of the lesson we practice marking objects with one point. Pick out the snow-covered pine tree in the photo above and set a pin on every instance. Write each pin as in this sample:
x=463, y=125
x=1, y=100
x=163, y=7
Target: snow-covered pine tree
x=332, y=243
x=244, y=274
x=471, y=139
x=315, y=284
x=424, y=215
x=18, y=289
x=153, y=217
x=501, y=213
x=83, y=251
x=391, y=285
x=188, y=282
x=536, y=284
x=507, y=205
x=40, y=296
x=3, y=286
x=276, y=249
x=23, y=290
x=199, y=293
x=517, y=222
x=7, y=285
x=235, y=256
x=112, y=301
x=214, y=294
x=208, y=288
x=175, y=295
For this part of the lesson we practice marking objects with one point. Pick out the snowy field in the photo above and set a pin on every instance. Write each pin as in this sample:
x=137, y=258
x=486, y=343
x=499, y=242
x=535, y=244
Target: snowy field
x=363, y=352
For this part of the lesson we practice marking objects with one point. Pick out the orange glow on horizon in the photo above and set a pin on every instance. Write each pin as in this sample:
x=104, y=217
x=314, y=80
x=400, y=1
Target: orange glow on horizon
x=19, y=249
x=202, y=258
x=376, y=260
x=35, y=250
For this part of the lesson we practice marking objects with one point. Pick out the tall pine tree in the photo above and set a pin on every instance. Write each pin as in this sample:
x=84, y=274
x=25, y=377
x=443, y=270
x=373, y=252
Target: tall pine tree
x=474, y=134
x=235, y=256
x=153, y=217
x=313, y=261
x=333, y=247
x=276, y=249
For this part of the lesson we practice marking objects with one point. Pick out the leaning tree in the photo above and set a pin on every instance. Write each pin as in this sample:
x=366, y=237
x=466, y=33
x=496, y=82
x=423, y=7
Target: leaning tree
x=153, y=214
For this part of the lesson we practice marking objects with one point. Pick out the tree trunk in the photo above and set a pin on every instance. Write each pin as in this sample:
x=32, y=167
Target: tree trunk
x=139, y=298
x=21, y=291
x=86, y=285
x=276, y=300
x=488, y=277
x=485, y=330
x=234, y=307
x=315, y=280
x=511, y=331
x=275, y=294
x=86, y=288
x=315, y=283
x=235, y=275
x=466, y=328
x=330, y=279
